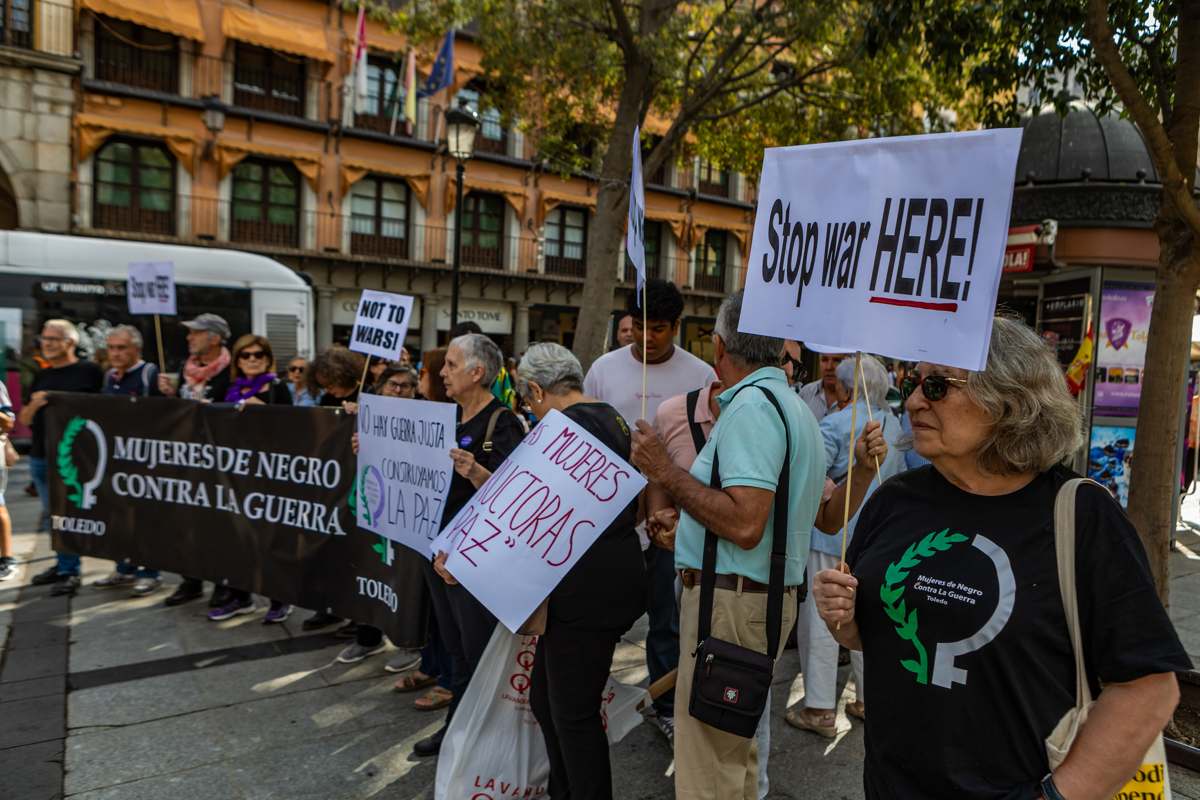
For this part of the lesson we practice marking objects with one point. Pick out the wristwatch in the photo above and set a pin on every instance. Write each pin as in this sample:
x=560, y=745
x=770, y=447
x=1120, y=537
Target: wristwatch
x=1049, y=790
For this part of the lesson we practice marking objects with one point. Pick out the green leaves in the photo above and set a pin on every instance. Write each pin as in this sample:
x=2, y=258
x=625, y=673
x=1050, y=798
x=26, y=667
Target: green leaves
x=362, y=497
x=892, y=589
x=65, y=462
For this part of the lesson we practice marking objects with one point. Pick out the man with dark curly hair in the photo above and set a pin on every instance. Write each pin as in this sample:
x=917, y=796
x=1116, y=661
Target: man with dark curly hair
x=616, y=379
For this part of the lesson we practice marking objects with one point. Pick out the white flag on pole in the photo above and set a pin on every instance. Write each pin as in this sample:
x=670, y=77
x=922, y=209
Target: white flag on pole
x=635, y=232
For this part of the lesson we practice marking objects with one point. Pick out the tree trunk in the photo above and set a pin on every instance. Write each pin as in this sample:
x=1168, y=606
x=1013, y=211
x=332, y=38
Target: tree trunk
x=608, y=226
x=1155, y=466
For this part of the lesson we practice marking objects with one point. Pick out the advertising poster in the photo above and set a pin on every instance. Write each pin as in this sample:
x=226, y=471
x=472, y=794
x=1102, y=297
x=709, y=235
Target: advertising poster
x=1110, y=457
x=1121, y=347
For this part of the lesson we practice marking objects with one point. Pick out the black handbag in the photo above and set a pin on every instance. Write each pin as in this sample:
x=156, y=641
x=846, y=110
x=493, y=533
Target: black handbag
x=730, y=682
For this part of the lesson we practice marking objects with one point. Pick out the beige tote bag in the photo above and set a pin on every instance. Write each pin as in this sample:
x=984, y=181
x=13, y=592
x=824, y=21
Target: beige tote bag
x=1151, y=780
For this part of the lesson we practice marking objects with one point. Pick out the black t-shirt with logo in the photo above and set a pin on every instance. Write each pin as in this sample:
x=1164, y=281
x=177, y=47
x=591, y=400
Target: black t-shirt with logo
x=82, y=376
x=968, y=663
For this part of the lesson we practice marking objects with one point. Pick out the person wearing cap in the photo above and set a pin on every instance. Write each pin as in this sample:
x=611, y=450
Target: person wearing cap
x=206, y=372
x=205, y=376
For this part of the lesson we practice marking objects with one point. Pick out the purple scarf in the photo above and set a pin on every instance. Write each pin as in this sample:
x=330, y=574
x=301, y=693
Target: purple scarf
x=244, y=388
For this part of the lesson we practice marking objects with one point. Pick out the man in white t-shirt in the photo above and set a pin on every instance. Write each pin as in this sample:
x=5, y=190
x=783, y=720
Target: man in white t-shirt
x=616, y=378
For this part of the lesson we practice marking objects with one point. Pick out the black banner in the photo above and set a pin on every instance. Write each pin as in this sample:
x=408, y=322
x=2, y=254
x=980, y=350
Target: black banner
x=261, y=497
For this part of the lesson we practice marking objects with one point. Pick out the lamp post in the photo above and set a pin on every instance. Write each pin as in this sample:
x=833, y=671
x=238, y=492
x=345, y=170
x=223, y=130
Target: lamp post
x=461, y=126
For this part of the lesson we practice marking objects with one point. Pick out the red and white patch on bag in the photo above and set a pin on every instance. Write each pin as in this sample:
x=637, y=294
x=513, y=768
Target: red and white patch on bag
x=731, y=695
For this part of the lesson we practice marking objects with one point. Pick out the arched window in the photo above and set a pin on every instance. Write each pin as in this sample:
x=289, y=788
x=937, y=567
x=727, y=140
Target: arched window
x=266, y=203
x=135, y=187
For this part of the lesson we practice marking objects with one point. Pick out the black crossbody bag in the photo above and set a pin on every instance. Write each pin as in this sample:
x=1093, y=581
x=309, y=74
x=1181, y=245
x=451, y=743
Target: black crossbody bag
x=730, y=683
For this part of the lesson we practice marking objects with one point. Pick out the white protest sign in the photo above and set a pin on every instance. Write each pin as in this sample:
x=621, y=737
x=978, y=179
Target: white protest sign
x=890, y=246
x=381, y=324
x=535, y=517
x=404, y=467
x=635, y=229
x=150, y=288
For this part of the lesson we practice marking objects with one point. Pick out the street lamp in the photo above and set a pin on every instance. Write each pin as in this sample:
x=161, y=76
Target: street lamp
x=461, y=126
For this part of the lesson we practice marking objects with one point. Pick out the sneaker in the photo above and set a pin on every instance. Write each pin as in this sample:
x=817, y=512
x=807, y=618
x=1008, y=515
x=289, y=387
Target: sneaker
x=233, y=608
x=67, y=584
x=47, y=576
x=403, y=661
x=666, y=726
x=184, y=593
x=7, y=570
x=319, y=620
x=357, y=652
x=278, y=612
x=145, y=586
x=221, y=596
x=115, y=579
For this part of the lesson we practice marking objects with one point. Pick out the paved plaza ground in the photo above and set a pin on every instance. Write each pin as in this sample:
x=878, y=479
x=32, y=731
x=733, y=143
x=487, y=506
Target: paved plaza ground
x=108, y=698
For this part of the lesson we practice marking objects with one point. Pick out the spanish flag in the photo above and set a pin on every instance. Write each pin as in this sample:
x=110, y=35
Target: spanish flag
x=1077, y=372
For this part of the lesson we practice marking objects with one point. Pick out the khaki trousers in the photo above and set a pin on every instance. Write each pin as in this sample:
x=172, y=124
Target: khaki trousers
x=711, y=764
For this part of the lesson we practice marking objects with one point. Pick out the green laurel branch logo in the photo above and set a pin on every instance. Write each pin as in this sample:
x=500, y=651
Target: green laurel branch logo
x=892, y=591
x=67, y=470
x=362, y=496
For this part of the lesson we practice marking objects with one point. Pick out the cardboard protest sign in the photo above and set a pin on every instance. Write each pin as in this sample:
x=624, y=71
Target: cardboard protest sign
x=381, y=324
x=151, y=288
x=535, y=517
x=892, y=246
x=404, y=467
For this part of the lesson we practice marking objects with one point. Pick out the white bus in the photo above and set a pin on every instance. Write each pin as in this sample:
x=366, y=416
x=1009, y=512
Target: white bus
x=45, y=276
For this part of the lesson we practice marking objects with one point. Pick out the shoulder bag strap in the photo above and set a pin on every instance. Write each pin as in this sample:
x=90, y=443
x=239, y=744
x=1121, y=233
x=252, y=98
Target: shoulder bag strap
x=698, y=437
x=1064, y=549
x=708, y=575
x=491, y=428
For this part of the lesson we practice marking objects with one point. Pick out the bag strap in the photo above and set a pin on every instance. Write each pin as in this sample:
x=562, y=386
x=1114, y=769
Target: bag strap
x=698, y=437
x=708, y=575
x=491, y=428
x=1064, y=550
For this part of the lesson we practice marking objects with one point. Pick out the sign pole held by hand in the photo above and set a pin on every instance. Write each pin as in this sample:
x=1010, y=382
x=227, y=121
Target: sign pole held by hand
x=162, y=360
x=363, y=380
x=850, y=470
x=150, y=289
x=870, y=417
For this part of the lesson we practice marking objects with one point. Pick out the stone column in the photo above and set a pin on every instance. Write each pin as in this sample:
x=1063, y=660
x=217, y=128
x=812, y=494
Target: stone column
x=430, y=308
x=324, y=331
x=520, y=329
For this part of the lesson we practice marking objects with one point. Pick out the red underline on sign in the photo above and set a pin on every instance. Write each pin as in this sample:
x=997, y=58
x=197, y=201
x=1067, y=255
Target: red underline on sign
x=891, y=301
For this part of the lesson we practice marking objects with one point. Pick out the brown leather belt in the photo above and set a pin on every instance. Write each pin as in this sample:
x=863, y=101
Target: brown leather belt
x=691, y=579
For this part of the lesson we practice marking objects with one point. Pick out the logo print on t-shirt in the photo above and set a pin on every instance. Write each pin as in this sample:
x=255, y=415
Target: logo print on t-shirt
x=945, y=674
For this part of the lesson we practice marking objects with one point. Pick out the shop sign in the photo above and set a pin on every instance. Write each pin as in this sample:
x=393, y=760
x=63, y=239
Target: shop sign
x=491, y=316
x=1019, y=258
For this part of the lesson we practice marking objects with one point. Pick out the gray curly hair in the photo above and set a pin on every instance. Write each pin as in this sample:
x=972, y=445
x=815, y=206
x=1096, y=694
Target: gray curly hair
x=480, y=351
x=1035, y=421
x=552, y=367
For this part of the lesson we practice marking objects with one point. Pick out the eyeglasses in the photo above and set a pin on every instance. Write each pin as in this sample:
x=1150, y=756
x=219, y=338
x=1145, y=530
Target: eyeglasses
x=401, y=386
x=934, y=387
x=295, y=369
x=246, y=355
x=797, y=367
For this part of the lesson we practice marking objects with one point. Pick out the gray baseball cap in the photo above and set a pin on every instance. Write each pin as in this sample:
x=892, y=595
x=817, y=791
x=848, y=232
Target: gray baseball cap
x=211, y=323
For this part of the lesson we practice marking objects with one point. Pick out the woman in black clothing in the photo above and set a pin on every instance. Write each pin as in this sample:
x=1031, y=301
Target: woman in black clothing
x=253, y=382
x=487, y=432
x=597, y=601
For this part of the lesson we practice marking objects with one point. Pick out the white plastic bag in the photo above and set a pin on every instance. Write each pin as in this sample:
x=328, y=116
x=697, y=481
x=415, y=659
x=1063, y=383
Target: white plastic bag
x=494, y=746
x=620, y=708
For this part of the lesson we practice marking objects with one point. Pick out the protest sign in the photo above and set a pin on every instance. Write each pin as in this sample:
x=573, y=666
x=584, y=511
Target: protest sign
x=535, y=517
x=381, y=324
x=890, y=246
x=404, y=467
x=151, y=288
x=262, y=497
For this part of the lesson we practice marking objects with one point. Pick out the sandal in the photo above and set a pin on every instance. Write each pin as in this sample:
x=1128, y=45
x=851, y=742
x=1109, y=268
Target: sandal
x=823, y=723
x=433, y=700
x=414, y=681
x=857, y=709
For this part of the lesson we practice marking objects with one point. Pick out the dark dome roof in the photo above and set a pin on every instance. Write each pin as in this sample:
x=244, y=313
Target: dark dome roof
x=1083, y=146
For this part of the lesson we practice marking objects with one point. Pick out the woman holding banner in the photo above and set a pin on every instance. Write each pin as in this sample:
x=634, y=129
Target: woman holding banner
x=252, y=381
x=594, y=604
x=952, y=594
x=487, y=432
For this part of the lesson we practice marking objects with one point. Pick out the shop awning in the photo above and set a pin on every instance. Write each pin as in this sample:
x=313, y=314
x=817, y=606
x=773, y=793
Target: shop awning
x=513, y=194
x=698, y=226
x=230, y=154
x=93, y=130
x=552, y=199
x=255, y=27
x=178, y=17
x=355, y=170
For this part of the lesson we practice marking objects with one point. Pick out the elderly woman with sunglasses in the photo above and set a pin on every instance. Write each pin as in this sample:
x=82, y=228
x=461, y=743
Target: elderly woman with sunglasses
x=952, y=594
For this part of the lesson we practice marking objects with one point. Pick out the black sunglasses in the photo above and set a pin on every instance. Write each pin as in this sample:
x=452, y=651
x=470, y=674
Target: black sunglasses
x=797, y=368
x=934, y=387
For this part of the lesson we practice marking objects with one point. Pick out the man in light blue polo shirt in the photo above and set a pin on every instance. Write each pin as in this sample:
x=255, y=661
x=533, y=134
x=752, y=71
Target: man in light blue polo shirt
x=709, y=763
